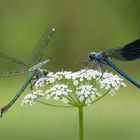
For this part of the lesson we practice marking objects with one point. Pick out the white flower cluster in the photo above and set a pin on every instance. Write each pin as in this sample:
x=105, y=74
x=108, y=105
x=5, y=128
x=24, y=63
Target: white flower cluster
x=31, y=97
x=113, y=82
x=58, y=92
x=87, y=93
x=75, y=88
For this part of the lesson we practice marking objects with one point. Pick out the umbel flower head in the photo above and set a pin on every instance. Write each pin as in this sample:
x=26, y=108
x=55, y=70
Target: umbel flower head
x=80, y=88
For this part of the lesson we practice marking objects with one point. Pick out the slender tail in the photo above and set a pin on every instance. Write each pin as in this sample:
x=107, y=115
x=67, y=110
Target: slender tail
x=5, y=109
x=9, y=105
x=122, y=73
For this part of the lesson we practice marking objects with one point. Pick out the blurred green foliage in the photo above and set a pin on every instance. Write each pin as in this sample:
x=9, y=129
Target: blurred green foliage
x=81, y=27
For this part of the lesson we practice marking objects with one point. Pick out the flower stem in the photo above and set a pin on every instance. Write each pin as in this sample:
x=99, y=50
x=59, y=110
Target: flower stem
x=81, y=126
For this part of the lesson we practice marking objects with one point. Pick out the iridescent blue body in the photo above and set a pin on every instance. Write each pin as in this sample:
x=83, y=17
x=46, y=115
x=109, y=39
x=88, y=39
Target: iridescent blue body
x=128, y=52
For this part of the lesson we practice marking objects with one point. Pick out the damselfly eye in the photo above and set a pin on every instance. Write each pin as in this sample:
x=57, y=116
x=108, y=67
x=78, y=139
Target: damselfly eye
x=92, y=55
x=45, y=72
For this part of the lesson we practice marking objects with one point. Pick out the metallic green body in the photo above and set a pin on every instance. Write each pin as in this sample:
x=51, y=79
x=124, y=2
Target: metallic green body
x=21, y=90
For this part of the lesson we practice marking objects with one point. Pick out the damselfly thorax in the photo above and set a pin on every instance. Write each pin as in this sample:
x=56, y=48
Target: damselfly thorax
x=38, y=70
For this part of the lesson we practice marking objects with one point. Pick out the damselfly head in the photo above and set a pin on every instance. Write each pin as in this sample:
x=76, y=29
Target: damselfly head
x=92, y=55
x=41, y=72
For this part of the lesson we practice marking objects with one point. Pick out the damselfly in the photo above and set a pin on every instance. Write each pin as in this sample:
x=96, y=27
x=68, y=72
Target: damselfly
x=35, y=71
x=128, y=52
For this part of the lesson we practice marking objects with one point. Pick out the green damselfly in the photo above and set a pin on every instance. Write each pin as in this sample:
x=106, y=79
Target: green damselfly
x=35, y=71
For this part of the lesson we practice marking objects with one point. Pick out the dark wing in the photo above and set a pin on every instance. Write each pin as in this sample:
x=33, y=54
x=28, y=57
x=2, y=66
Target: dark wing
x=41, y=45
x=8, y=59
x=128, y=52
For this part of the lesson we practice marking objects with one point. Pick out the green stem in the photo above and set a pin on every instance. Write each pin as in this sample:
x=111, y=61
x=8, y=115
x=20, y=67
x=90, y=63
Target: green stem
x=44, y=103
x=101, y=96
x=81, y=126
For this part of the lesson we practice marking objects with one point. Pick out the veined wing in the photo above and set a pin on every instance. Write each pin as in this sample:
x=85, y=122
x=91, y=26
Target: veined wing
x=13, y=73
x=8, y=59
x=41, y=45
x=128, y=52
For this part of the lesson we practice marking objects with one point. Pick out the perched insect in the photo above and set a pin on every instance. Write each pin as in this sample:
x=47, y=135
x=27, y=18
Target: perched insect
x=128, y=52
x=34, y=70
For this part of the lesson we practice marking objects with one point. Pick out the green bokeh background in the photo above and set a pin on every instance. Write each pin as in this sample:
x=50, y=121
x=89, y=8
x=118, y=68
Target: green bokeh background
x=81, y=27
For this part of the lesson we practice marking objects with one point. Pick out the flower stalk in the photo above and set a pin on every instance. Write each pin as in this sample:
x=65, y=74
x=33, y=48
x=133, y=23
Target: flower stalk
x=81, y=124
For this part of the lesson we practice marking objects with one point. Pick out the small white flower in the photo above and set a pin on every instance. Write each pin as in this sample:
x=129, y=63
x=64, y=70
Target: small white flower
x=67, y=75
x=39, y=93
x=81, y=79
x=29, y=99
x=40, y=83
x=112, y=92
x=51, y=80
x=92, y=97
x=56, y=98
x=81, y=98
x=88, y=101
x=98, y=94
x=64, y=100
x=75, y=82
